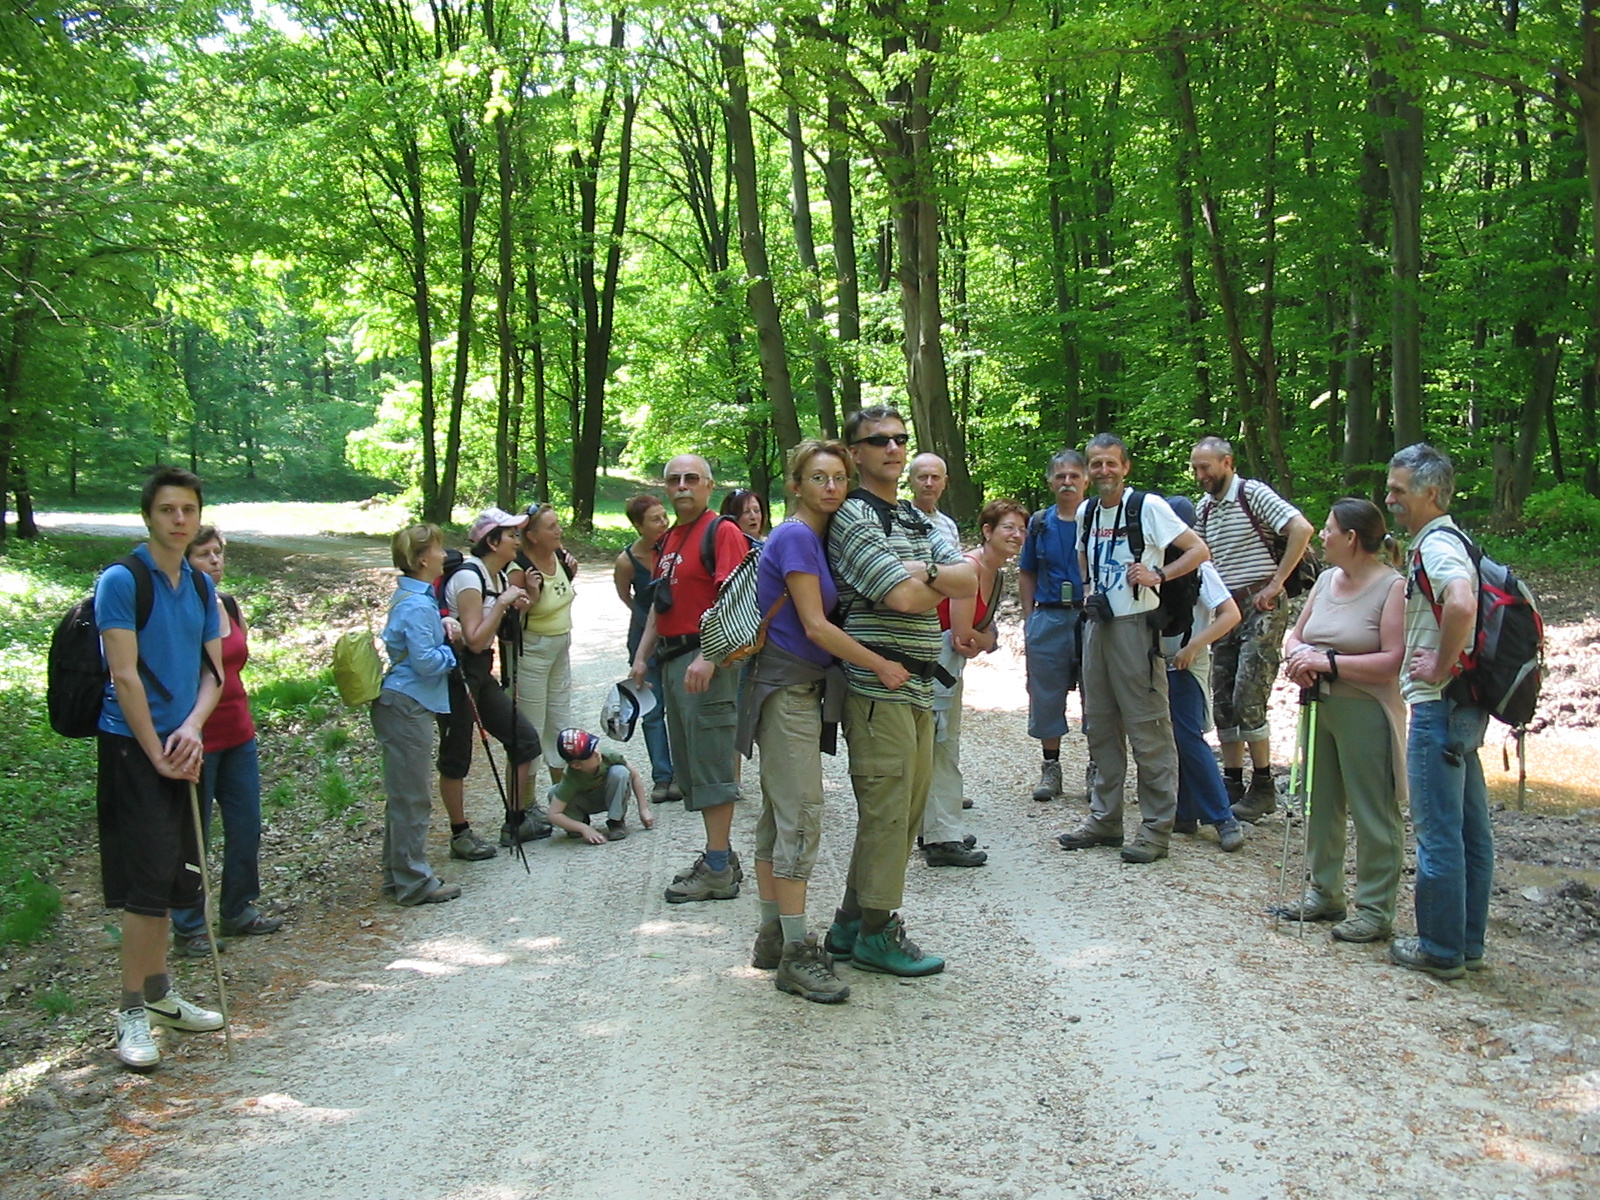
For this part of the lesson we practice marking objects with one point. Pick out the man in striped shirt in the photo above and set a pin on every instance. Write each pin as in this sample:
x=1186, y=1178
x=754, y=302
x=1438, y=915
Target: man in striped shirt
x=1241, y=520
x=892, y=574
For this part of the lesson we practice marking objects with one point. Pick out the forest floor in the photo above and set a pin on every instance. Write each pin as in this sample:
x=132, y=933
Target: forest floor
x=1102, y=1030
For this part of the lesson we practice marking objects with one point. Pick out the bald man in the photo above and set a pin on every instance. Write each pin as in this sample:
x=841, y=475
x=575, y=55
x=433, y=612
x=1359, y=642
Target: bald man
x=697, y=554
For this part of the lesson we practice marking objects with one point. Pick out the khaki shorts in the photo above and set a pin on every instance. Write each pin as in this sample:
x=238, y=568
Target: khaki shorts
x=891, y=766
x=788, y=731
x=702, y=729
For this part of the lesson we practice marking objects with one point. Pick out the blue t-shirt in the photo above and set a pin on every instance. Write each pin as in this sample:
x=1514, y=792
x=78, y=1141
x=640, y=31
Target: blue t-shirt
x=1051, y=556
x=794, y=547
x=170, y=643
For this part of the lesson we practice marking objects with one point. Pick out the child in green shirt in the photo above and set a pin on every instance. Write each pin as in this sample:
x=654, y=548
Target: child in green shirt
x=595, y=782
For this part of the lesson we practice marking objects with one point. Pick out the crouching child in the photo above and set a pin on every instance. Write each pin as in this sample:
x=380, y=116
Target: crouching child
x=594, y=783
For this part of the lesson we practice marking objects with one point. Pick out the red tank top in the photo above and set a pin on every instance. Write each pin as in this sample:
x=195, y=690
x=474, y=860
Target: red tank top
x=230, y=723
x=981, y=603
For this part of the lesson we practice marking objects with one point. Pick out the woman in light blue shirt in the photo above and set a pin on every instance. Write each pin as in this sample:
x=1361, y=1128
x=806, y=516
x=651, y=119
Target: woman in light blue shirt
x=414, y=689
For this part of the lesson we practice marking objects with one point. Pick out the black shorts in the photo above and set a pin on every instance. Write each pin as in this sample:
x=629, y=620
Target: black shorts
x=457, y=729
x=149, y=854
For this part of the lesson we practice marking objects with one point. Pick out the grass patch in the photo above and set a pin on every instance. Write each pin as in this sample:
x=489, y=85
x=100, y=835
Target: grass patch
x=33, y=905
x=57, y=1002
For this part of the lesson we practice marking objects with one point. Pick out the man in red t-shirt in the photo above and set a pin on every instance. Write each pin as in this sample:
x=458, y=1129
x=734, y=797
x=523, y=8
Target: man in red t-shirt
x=702, y=700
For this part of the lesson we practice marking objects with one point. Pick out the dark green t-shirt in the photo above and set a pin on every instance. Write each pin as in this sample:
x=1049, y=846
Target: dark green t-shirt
x=581, y=791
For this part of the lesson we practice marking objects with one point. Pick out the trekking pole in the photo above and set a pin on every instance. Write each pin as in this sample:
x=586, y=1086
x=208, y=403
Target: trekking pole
x=483, y=736
x=1296, y=769
x=1305, y=809
x=211, y=934
x=1522, y=767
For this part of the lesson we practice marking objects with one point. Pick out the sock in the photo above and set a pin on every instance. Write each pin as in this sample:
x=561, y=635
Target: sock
x=874, y=920
x=1259, y=773
x=1053, y=755
x=131, y=1000
x=458, y=830
x=794, y=928
x=849, y=908
x=156, y=986
x=716, y=860
x=1234, y=773
x=769, y=911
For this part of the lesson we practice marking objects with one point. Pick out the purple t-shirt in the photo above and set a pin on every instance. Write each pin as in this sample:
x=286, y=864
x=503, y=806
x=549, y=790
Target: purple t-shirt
x=794, y=547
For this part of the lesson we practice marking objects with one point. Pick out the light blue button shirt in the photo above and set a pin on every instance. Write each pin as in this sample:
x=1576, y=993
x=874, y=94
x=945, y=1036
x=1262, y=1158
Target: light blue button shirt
x=420, y=660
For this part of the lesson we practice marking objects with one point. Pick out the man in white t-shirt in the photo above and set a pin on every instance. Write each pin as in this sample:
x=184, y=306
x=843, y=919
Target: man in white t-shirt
x=1449, y=798
x=1124, y=675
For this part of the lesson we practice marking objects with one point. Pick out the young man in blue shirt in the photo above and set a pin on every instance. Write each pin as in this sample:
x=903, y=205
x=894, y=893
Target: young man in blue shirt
x=150, y=755
x=1051, y=588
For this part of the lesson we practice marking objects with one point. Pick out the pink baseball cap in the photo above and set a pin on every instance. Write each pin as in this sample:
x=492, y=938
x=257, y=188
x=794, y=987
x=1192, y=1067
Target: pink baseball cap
x=490, y=520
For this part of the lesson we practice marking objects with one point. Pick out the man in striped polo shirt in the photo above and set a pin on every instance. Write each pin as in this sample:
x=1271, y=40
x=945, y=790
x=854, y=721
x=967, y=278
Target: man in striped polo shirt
x=1241, y=519
x=891, y=580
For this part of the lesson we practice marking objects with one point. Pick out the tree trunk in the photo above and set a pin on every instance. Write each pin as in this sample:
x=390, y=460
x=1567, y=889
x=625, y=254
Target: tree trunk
x=847, y=282
x=1360, y=364
x=1271, y=401
x=759, y=292
x=26, y=527
x=1403, y=156
x=1587, y=85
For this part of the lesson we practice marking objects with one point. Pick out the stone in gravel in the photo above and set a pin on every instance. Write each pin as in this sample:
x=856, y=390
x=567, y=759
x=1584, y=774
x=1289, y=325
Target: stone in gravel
x=1237, y=1067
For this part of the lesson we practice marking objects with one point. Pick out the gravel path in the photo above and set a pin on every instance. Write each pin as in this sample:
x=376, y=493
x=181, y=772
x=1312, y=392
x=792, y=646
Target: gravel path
x=1102, y=1031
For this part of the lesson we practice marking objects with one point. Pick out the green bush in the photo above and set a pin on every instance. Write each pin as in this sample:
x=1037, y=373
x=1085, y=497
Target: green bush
x=56, y=1002
x=33, y=905
x=1562, y=510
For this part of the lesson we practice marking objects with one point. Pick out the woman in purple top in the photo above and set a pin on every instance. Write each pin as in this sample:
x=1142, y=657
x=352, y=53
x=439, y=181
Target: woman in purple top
x=789, y=705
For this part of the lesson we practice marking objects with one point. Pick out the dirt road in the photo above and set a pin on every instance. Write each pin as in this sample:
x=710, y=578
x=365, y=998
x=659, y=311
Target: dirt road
x=1102, y=1031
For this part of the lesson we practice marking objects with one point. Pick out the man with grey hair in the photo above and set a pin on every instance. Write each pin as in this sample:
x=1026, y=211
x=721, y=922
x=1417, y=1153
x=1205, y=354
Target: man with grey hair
x=1050, y=585
x=1449, y=799
x=930, y=475
x=697, y=554
x=1242, y=521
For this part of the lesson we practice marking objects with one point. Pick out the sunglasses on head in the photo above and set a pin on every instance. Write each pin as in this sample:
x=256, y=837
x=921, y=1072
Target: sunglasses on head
x=881, y=440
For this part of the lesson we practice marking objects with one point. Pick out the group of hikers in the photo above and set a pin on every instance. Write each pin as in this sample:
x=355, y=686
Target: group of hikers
x=1170, y=618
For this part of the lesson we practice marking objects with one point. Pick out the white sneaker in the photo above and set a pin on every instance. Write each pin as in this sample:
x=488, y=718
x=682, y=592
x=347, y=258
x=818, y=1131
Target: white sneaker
x=135, y=1047
x=173, y=1011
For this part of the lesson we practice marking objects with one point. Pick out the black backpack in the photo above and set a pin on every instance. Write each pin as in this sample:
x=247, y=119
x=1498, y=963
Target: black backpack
x=1503, y=666
x=77, y=674
x=1174, y=617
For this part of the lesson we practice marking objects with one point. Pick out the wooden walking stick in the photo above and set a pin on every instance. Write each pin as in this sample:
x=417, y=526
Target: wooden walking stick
x=210, y=910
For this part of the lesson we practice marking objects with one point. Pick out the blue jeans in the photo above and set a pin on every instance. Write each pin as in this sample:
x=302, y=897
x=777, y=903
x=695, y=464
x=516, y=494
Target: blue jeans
x=233, y=777
x=655, y=729
x=1201, y=794
x=1450, y=815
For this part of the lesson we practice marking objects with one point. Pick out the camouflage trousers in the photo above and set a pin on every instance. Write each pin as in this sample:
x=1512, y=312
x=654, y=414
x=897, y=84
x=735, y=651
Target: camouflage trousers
x=1244, y=665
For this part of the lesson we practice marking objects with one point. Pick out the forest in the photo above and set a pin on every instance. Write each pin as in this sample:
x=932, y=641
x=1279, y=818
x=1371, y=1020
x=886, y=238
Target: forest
x=475, y=252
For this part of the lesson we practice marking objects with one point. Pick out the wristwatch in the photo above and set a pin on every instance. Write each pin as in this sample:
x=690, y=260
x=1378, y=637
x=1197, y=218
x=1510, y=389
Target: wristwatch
x=933, y=572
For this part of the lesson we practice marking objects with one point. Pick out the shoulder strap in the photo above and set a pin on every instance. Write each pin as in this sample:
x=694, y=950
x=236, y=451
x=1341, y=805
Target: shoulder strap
x=1265, y=535
x=878, y=504
x=708, y=545
x=1133, y=523
x=232, y=605
x=991, y=607
x=144, y=596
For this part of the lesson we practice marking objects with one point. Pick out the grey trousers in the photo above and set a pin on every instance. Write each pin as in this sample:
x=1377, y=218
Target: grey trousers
x=1125, y=697
x=616, y=789
x=941, y=819
x=405, y=731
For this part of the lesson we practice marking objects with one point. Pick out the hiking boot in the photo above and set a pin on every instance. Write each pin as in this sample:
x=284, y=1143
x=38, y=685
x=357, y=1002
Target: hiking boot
x=136, y=1048
x=173, y=1011
x=660, y=793
x=733, y=864
x=1185, y=825
x=442, y=894
x=806, y=971
x=255, y=922
x=1363, y=927
x=890, y=952
x=1408, y=953
x=702, y=883
x=768, y=950
x=468, y=845
x=533, y=826
x=1086, y=836
x=1310, y=907
x=1143, y=852
x=841, y=939
x=615, y=830
x=1049, y=781
x=1230, y=836
x=674, y=792
x=954, y=854
x=196, y=945
x=1261, y=799
x=1473, y=964
x=1234, y=788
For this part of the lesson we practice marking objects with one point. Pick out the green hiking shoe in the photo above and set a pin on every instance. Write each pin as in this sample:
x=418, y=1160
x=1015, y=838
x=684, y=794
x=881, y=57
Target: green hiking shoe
x=890, y=952
x=841, y=939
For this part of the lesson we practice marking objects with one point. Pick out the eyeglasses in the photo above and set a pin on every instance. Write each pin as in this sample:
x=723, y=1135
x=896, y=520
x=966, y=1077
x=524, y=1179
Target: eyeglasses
x=689, y=479
x=820, y=480
x=880, y=440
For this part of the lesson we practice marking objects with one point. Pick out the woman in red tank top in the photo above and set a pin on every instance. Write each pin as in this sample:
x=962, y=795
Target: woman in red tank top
x=232, y=776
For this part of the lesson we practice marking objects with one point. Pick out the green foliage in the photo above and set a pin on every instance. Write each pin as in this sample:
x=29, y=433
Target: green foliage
x=31, y=906
x=56, y=1001
x=1564, y=511
x=334, y=738
x=335, y=793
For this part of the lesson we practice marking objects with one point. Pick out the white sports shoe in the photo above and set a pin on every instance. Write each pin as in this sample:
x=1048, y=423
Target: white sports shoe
x=173, y=1011
x=135, y=1047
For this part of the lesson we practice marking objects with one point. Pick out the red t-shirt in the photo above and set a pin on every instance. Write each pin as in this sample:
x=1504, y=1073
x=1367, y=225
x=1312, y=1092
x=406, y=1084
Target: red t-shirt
x=692, y=589
x=230, y=723
x=979, y=613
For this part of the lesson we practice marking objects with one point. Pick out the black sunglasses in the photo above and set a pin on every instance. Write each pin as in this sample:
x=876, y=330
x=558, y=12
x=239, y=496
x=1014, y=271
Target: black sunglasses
x=881, y=440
